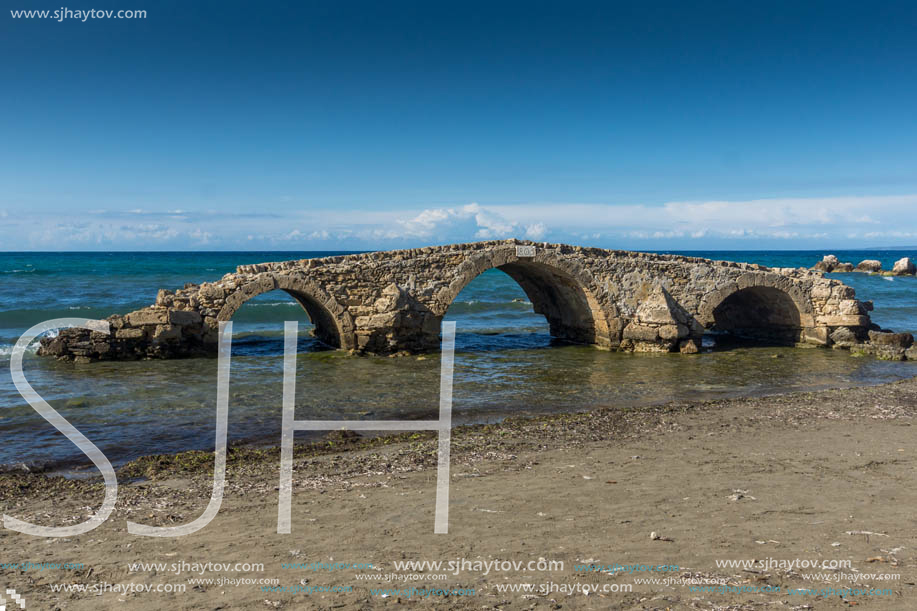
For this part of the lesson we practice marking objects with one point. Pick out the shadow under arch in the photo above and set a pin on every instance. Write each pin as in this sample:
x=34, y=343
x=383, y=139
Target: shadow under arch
x=333, y=325
x=762, y=314
x=562, y=291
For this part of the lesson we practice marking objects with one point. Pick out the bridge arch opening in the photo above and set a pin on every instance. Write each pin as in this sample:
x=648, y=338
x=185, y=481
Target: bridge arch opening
x=263, y=305
x=569, y=311
x=758, y=314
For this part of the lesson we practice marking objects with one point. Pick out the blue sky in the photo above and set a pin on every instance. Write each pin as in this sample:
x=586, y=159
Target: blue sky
x=666, y=125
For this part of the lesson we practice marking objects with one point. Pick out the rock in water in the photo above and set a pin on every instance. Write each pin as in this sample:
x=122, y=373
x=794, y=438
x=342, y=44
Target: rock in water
x=889, y=346
x=827, y=264
x=844, y=337
x=869, y=265
x=904, y=267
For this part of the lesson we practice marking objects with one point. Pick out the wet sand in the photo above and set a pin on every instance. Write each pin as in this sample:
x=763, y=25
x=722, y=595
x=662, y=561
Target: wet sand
x=828, y=476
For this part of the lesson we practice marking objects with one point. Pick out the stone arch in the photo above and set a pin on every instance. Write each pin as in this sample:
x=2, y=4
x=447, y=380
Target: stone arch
x=761, y=307
x=333, y=324
x=561, y=290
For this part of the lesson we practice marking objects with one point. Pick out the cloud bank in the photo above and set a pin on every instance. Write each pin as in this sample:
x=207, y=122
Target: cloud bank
x=853, y=222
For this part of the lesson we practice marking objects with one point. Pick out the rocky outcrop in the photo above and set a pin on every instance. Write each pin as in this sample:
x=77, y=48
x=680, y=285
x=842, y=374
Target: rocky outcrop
x=871, y=266
x=394, y=302
x=830, y=263
x=904, y=267
x=827, y=264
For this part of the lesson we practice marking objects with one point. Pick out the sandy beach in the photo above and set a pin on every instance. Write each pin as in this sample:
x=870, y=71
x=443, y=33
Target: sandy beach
x=672, y=493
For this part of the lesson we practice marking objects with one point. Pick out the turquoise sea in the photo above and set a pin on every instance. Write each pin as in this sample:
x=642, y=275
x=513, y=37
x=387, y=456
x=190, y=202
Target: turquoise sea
x=506, y=362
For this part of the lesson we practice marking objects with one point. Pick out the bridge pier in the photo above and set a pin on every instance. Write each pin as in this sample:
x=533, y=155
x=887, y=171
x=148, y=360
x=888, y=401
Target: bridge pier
x=393, y=302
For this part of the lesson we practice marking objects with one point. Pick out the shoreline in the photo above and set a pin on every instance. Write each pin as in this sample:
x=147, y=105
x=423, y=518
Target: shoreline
x=260, y=448
x=249, y=453
x=791, y=475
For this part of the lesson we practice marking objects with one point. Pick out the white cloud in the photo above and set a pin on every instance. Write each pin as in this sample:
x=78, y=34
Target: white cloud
x=684, y=224
x=201, y=236
x=470, y=219
x=536, y=231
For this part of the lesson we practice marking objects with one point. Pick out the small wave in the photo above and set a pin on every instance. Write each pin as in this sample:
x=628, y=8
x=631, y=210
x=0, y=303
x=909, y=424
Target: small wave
x=7, y=349
x=17, y=271
x=887, y=278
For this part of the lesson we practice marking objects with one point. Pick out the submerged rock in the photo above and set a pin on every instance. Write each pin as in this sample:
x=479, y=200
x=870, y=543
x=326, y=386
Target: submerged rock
x=889, y=346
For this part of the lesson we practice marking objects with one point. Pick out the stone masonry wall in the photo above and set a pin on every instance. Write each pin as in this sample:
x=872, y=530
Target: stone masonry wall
x=393, y=302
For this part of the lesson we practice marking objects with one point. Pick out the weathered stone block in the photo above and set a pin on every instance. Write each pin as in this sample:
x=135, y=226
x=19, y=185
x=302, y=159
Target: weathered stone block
x=842, y=291
x=689, y=346
x=821, y=290
x=843, y=321
x=638, y=332
x=670, y=332
x=843, y=337
x=815, y=335
x=212, y=291
x=164, y=297
x=211, y=335
x=849, y=307
x=184, y=317
x=897, y=340
x=148, y=317
x=167, y=333
x=130, y=333
x=379, y=321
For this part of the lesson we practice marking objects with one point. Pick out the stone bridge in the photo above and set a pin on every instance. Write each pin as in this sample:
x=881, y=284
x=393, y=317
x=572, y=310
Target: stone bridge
x=393, y=302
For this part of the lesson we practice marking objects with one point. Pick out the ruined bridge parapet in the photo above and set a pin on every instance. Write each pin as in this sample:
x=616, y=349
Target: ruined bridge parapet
x=393, y=302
